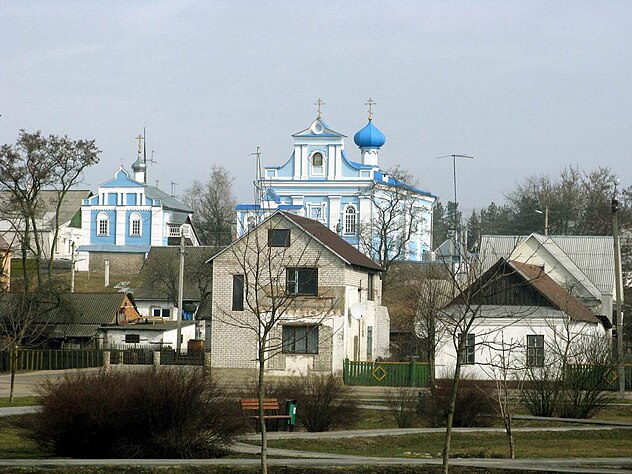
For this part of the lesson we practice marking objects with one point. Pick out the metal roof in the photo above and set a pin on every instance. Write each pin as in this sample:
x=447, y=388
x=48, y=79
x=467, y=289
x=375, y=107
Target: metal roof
x=167, y=201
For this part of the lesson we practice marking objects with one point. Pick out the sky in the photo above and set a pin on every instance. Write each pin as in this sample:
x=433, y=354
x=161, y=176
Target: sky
x=525, y=87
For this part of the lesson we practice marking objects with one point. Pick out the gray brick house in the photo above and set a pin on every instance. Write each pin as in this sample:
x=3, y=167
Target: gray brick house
x=324, y=292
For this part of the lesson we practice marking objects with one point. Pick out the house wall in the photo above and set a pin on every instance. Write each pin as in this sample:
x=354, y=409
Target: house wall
x=492, y=334
x=339, y=287
x=116, y=336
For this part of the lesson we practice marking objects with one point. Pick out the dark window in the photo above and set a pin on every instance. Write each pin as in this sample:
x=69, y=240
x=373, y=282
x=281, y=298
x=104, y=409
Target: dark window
x=279, y=237
x=535, y=351
x=300, y=339
x=468, y=356
x=162, y=312
x=371, y=287
x=317, y=159
x=132, y=338
x=302, y=281
x=238, y=292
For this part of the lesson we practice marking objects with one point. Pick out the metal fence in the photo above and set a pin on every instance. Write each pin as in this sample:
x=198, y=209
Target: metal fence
x=172, y=357
x=386, y=374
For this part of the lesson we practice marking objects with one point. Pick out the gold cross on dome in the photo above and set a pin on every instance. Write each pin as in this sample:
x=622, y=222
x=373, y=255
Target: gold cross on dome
x=140, y=138
x=319, y=103
x=370, y=103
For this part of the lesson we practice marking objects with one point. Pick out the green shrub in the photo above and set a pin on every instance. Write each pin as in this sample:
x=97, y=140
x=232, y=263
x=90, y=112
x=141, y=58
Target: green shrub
x=170, y=413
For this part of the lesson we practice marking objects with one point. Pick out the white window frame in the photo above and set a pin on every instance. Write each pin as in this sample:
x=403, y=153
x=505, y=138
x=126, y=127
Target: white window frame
x=317, y=170
x=135, y=218
x=174, y=230
x=103, y=218
x=345, y=227
x=323, y=212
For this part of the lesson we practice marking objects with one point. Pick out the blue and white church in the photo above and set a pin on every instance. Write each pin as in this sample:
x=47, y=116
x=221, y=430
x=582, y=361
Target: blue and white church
x=125, y=218
x=322, y=182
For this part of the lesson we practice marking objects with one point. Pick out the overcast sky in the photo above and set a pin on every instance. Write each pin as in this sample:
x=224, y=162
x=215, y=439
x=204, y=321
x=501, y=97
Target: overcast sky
x=526, y=87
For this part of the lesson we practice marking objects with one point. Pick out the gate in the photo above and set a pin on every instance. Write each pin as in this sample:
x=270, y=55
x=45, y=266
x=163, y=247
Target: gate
x=386, y=374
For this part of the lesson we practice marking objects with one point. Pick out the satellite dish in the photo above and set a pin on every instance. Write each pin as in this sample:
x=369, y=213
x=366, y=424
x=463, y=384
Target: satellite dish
x=356, y=311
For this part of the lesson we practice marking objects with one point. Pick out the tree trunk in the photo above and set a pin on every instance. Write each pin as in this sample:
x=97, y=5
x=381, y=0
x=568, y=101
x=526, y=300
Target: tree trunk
x=262, y=421
x=14, y=365
x=510, y=438
x=451, y=410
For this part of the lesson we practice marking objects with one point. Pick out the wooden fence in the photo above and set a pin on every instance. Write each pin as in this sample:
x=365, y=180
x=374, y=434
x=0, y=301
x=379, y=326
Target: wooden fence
x=53, y=359
x=386, y=374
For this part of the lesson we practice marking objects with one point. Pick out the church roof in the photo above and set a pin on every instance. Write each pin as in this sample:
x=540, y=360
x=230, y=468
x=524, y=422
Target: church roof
x=369, y=136
x=168, y=201
x=318, y=129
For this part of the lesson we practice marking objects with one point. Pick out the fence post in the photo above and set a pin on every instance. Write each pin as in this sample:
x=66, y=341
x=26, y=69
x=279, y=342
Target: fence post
x=156, y=360
x=207, y=360
x=121, y=357
x=106, y=361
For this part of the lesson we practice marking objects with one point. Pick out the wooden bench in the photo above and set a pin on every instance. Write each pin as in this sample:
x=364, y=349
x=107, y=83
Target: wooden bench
x=250, y=409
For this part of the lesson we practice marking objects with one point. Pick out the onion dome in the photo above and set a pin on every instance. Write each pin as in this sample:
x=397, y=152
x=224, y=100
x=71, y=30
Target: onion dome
x=369, y=137
x=139, y=165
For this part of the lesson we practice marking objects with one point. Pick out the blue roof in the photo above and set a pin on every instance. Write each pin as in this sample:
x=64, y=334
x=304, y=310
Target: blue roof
x=369, y=137
x=290, y=207
x=390, y=181
x=121, y=180
x=247, y=207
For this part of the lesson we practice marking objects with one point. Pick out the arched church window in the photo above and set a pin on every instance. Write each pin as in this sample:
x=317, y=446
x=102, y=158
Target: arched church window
x=135, y=224
x=318, y=167
x=351, y=221
x=103, y=224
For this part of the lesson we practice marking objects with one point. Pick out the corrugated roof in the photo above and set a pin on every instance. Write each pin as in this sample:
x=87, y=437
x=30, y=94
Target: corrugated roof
x=71, y=204
x=583, y=255
x=167, y=200
x=164, y=326
x=333, y=242
x=88, y=308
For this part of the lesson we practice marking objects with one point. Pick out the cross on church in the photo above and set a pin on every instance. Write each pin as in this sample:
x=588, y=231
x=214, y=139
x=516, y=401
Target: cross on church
x=370, y=103
x=318, y=103
x=140, y=138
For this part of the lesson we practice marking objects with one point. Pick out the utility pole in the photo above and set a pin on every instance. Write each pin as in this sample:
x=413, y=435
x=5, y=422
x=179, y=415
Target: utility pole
x=184, y=232
x=546, y=219
x=72, y=267
x=618, y=292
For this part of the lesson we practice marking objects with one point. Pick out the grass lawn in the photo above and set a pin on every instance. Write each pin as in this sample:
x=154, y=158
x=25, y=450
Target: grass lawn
x=14, y=443
x=607, y=443
x=18, y=402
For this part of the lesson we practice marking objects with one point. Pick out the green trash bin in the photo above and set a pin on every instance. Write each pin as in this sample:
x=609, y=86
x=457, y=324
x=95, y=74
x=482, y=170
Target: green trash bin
x=290, y=406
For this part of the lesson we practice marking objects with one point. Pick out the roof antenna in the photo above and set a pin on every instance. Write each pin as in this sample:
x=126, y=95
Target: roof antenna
x=258, y=187
x=173, y=189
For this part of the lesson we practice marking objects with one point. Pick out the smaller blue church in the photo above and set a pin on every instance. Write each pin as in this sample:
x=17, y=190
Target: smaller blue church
x=125, y=218
x=322, y=182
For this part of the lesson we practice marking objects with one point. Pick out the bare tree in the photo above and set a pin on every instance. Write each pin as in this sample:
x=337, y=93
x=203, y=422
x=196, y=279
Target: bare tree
x=213, y=204
x=396, y=219
x=27, y=168
x=275, y=278
x=24, y=322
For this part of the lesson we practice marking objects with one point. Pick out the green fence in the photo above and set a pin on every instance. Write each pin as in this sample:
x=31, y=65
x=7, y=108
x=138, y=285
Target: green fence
x=606, y=378
x=386, y=374
x=54, y=359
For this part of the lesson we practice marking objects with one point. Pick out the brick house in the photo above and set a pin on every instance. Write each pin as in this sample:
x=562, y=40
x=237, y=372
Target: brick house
x=326, y=293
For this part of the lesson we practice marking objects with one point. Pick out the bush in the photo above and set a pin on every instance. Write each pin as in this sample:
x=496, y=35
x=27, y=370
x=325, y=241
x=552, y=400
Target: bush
x=324, y=401
x=473, y=405
x=402, y=404
x=170, y=413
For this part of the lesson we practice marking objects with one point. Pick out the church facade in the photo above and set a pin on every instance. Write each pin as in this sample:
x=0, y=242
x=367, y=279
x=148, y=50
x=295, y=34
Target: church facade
x=125, y=218
x=320, y=181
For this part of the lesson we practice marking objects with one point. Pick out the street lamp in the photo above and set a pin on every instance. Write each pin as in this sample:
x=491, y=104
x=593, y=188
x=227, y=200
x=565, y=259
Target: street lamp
x=546, y=219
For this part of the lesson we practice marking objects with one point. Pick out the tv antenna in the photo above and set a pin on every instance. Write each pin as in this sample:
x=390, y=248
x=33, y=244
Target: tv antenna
x=257, y=182
x=454, y=157
x=151, y=160
x=173, y=188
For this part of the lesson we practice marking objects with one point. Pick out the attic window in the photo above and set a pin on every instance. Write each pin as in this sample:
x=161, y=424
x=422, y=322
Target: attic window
x=278, y=237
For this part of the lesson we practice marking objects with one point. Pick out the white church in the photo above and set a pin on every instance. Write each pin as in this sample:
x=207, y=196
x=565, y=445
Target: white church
x=322, y=182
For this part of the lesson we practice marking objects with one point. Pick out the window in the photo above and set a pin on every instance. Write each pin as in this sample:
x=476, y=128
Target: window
x=278, y=237
x=300, y=339
x=369, y=342
x=316, y=212
x=132, y=338
x=371, y=287
x=302, y=281
x=535, y=351
x=161, y=312
x=174, y=230
x=238, y=292
x=103, y=224
x=468, y=357
x=318, y=168
x=135, y=224
x=350, y=221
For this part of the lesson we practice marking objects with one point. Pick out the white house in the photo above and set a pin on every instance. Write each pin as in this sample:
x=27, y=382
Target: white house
x=327, y=292
x=518, y=313
x=321, y=181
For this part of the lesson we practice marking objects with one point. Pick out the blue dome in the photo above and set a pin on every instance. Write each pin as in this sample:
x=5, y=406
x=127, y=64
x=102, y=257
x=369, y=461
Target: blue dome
x=369, y=137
